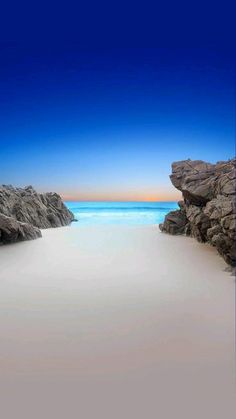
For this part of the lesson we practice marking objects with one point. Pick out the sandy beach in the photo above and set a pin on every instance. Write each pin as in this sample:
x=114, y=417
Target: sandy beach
x=116, y=322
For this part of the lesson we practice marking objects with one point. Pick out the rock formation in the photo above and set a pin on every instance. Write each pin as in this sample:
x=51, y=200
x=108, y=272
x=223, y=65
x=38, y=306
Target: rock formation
x=23, y=212
x=12, y=230
x=207, y=211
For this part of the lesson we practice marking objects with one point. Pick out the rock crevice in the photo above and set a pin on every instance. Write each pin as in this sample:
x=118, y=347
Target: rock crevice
x=207, y=211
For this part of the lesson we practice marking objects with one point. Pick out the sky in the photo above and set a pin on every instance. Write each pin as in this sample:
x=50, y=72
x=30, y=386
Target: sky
x=106, y=123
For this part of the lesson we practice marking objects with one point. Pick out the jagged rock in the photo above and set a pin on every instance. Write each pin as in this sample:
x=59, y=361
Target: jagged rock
x=41, y=210
x=209, y=204
x=12, y=230
x=30, y=209
x=219, y=207
x=192, y=178
x=213, y=231
x=199, y=222
x=175, y=222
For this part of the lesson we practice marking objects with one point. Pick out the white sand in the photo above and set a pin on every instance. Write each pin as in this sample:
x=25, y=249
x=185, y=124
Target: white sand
x=115, y=322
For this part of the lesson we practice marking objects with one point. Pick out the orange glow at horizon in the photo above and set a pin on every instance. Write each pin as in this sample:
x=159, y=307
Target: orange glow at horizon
x=128, y=197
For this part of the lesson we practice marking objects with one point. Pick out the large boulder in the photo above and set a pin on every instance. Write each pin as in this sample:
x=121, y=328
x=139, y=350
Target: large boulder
x=208, y=204
x=12, y=231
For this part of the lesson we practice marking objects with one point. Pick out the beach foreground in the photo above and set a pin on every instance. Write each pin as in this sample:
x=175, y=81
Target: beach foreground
x=115, y=322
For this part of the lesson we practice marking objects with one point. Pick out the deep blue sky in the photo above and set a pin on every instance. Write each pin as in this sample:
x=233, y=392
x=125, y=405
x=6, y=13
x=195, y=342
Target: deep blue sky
x=107, y=123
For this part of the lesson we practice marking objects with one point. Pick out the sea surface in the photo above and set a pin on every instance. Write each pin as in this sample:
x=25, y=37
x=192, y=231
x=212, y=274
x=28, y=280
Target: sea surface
x=120, y=212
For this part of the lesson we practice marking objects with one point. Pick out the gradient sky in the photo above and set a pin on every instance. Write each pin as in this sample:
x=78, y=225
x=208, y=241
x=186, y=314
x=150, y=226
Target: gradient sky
x=106, y=124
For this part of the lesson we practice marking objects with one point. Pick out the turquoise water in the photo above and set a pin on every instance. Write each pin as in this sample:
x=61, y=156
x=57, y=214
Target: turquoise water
x=88, y=213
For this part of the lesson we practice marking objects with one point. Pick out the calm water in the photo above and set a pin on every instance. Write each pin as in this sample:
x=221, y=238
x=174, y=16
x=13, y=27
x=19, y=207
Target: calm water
x=120, y=212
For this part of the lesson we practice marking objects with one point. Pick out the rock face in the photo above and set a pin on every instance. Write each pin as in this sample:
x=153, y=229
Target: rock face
x=12, y=230
x=207, y=211
x=23, y=212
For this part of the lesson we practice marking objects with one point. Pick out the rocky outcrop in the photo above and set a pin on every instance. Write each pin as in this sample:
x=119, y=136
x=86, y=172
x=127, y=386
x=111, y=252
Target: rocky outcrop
x=12, y=231
x=207, y=211
x=26, y=211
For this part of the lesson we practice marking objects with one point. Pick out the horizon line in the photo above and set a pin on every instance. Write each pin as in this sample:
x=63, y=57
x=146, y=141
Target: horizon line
x=118, y=200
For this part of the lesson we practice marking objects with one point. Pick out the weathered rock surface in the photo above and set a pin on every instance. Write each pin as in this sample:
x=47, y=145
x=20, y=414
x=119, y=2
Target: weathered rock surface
x=12, y=230
x=30, y=211
x=175, y=222
x=208, y=211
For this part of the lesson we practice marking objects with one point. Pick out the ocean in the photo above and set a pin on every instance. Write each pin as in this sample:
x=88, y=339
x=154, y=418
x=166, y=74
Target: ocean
x=90, y=213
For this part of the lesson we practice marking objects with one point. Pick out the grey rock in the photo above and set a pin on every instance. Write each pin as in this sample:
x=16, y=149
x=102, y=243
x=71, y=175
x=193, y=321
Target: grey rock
x=219, y=207
x=27, y=206
x=208, y=204
x=175, y=222
x=41, y=210
x=12, y=230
